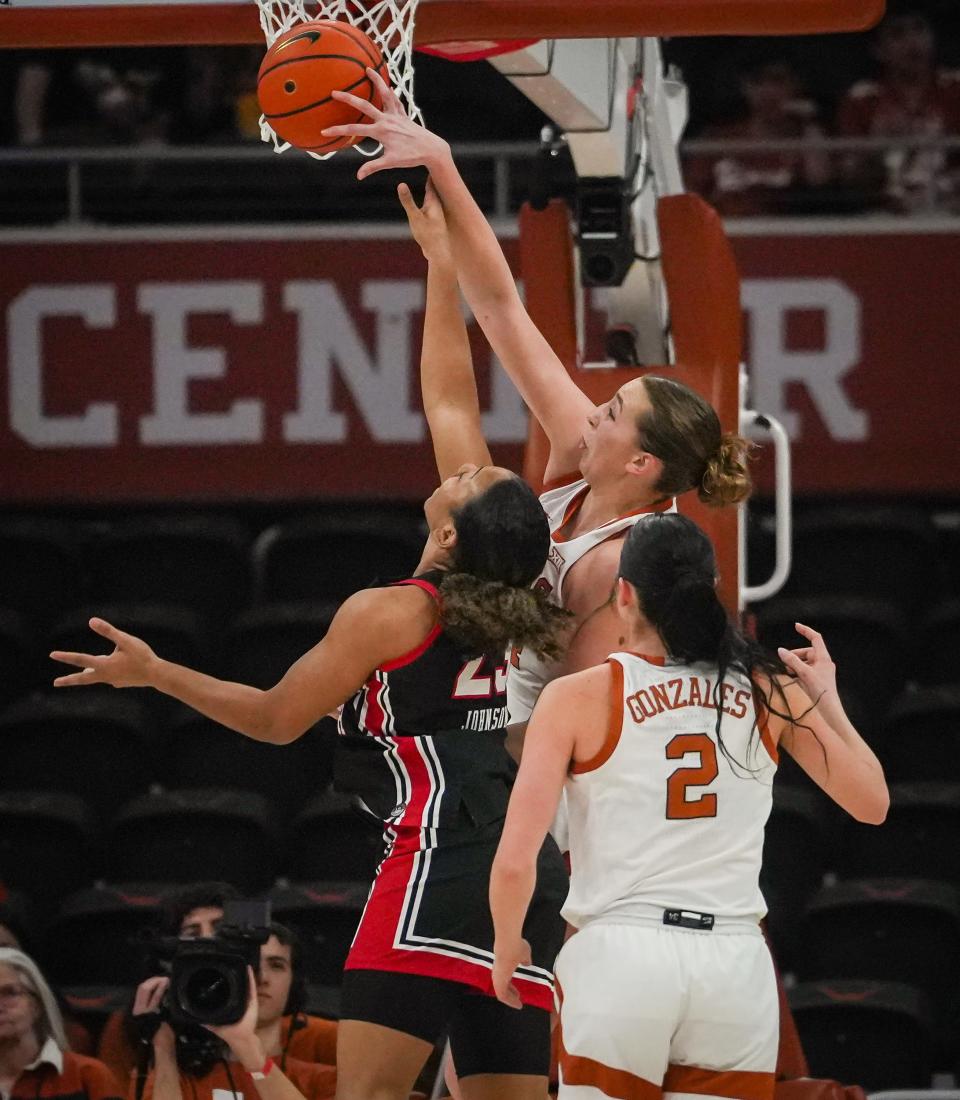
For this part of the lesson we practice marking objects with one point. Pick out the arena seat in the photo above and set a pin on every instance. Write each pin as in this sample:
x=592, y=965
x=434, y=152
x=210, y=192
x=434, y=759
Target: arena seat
x=45, y=844
x=94, y=744
x=919, y=839
x=97, y=936
x=938, y=655
x=42, y=577
x=263, y=642
x=920, y=738
x=871, y=550
x=201, y=562
x=195, y=751
x=330, y=557
x=193, y=835
x=879, y=1034
x=794, y=850
x=869, y=641
x=20, y=665
x=330, y=840
x=92, y=1005
x=902, y=930
x=325, y=916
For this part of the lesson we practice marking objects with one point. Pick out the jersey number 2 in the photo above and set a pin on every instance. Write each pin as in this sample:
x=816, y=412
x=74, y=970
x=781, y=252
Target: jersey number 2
x=678, y=805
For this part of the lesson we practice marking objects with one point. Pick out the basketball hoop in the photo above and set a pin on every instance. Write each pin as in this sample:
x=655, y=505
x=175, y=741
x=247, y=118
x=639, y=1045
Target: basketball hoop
x=389, y=23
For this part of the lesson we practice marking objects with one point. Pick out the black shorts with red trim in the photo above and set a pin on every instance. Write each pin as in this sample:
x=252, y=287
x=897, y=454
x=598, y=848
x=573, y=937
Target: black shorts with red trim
x=428, y=912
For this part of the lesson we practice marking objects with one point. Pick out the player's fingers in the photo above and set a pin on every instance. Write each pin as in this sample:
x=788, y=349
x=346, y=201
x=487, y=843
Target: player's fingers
x=352, y=129
x=811, y=634
x=390, y=100
x=513, y=997
x=371, y=167
x=107, y=630
x=77, y=679
x=792, y=661
x=408, y=202
x=371, y=110
x=80, y=660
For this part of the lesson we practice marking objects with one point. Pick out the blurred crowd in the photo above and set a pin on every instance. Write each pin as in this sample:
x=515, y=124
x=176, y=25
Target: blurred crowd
x=894, y=84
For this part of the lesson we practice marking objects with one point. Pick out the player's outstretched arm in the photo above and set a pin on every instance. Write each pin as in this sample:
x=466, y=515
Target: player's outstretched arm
x=484, y=274
x=371, y=628
x=447, y=380
x=822, y=739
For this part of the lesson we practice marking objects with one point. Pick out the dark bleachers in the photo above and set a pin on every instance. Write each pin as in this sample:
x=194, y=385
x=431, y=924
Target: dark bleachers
x=42, y=576
x=263, y=642
x=20, y=666
x=330, y=840
x=94, y=744
x=200, y=562
x=194, y=835
x=328, y=557
x=325, y=916
x=903, y=930
x=920, y=737
x=879, y=1034
x=97, y=938
x=938, y=654
x=919, y=839
x=45, y=844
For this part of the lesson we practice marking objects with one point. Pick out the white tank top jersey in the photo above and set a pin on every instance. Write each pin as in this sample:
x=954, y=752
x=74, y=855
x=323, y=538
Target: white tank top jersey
x=661, y=817
x=528, y=674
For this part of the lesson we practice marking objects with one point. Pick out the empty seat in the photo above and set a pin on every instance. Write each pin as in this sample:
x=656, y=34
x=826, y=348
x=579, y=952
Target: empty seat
x=197, y=752
x=793, y=863
x=328, y=557
x=920, y=738
x=870, y=550
x=92, y=1005
x=92, y=744
x=262, y=643
x=20, y=665
x=193, y=835
x=868, y=641
x=98, y=937
x=878, y=1034
x=42, y=575
x=45, y=844
x=904, y=930
x=325, y=916
x=938, y=654
x=201, y=562
x=920, y=838
x=330, y=840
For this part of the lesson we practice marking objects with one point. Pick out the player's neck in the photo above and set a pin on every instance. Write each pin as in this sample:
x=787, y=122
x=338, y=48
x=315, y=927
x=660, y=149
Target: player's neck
x=643, y=638
x=608, y=502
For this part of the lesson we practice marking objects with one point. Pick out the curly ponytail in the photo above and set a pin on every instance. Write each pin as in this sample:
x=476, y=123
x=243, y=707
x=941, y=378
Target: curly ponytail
x=487, y=616
x=726, y=479
x=486, y=601
x=683, y=431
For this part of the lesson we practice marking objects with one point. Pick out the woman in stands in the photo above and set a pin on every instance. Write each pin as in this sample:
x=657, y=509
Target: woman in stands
x=35, y=1059
x=667, y=753
x=608, y=466
x=419, y=669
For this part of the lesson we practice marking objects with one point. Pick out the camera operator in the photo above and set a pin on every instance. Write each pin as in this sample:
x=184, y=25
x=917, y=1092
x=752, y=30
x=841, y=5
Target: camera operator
x=249, y=1060
x=194, y=911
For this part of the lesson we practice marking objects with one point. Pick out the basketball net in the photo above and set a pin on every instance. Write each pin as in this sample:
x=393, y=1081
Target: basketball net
x=389, y=23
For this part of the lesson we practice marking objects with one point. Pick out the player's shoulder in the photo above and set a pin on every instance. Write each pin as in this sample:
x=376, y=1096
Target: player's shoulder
x=581, y=687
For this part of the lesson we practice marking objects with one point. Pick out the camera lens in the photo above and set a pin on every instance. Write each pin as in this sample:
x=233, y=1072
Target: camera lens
x=207, y=991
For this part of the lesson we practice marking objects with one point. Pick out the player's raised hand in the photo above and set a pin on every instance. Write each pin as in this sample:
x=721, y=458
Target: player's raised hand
x=129, y=665
x=405, y=143
x=812, y=665
x=427, y=224
x=506, y=959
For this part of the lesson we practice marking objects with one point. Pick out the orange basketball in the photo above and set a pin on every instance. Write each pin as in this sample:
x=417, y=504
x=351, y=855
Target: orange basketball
x=300, y=72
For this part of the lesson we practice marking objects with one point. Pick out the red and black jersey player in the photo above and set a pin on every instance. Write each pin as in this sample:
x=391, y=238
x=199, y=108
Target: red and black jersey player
x=418, y=669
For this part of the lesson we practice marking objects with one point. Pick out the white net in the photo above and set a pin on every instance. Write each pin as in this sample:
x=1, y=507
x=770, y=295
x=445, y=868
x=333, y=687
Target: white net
x=389, y=23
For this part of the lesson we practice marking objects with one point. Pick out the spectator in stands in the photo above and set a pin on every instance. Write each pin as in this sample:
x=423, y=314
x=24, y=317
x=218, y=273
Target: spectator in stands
x=278, y=991
x=743, y=184
x=35, y=1059
x=911, y=96
x=194, y=911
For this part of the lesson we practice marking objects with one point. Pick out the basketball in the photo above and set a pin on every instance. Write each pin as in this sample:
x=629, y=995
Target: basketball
x=302, y=69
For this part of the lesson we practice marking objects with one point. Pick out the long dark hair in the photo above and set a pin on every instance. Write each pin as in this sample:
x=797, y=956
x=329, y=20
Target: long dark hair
x=503, y=539
x=670, y=562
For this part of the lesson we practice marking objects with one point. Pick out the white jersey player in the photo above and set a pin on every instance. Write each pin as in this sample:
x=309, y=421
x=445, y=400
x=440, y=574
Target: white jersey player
x=667, y=753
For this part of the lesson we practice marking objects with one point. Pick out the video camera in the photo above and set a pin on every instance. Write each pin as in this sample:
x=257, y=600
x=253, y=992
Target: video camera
x=208, y=976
